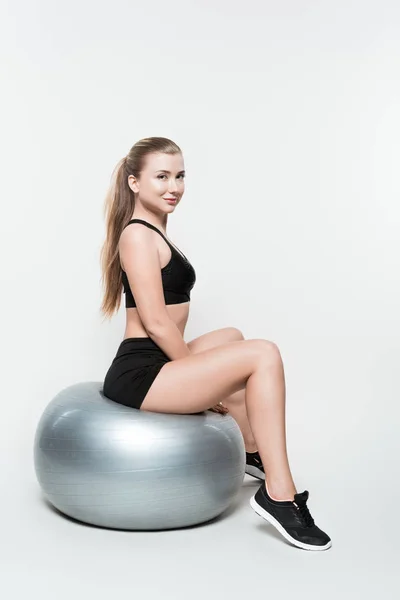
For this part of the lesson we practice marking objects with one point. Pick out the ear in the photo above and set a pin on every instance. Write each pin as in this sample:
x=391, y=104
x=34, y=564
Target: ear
x=132, y=182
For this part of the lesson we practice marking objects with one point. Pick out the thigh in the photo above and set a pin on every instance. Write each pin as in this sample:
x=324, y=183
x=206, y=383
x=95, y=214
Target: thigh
x=199, y=381
x=215, y=338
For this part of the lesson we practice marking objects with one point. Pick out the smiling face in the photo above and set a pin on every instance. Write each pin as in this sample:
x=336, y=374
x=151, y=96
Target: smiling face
x=161, y=179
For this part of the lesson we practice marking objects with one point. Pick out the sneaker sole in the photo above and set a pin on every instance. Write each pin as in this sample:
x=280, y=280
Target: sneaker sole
x=255, y=472
x=265, y=515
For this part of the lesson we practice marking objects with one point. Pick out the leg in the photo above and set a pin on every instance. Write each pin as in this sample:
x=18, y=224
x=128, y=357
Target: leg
x=197, y=382
x=239, y=409
x=235, y=403
x=268, y=424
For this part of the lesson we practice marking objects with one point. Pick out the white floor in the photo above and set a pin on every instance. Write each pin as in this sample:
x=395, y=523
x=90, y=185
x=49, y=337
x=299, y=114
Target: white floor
x=51, y=557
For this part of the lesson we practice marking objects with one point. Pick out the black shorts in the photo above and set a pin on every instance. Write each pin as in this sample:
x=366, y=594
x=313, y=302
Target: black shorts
x=134, y=368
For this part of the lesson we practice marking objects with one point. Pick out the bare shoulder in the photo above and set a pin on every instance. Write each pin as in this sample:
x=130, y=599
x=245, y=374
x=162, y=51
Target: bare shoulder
x=135, y=237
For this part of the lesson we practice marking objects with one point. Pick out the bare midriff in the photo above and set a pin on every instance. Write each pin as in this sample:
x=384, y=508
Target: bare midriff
x=178, y=313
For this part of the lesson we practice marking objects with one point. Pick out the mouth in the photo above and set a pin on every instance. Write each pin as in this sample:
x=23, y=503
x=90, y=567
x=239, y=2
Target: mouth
x=170, y=200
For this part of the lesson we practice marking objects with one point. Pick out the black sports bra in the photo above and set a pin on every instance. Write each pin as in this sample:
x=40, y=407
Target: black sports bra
x=178, y=276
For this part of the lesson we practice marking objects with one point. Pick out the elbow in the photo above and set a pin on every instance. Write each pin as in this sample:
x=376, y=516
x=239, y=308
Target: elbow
x=157, y=327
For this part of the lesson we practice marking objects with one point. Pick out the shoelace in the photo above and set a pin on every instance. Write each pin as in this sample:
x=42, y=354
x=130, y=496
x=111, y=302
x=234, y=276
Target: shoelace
x=260, y=465
x=257, y=460
x=305, y=514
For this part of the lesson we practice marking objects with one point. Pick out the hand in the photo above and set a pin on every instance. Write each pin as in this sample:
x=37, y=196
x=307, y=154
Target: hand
x=219, y=408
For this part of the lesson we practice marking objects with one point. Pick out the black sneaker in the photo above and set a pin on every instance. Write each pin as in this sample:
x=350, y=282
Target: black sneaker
x=292, y=519
x=254, y=465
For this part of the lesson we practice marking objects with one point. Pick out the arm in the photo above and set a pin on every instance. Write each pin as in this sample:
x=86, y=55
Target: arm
x=169, y=338
x=141, y=262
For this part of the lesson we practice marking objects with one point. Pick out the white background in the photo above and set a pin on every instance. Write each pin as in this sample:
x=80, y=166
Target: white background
x=287, y=114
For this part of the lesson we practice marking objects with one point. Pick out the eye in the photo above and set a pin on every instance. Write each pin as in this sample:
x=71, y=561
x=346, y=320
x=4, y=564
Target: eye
x=163, y=175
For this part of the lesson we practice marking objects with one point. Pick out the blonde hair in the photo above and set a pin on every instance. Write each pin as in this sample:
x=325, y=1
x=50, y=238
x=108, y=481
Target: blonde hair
x=118, y=209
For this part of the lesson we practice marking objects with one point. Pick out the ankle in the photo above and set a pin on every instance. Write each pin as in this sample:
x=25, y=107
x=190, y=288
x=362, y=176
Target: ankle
x=251, y=448
x=280, y=493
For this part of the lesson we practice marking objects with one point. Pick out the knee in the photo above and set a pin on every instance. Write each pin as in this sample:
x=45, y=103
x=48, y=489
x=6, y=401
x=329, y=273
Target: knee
x=268, y=352
x=235, y=334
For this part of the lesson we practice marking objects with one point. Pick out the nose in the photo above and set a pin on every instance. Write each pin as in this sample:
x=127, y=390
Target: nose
x=172, y=187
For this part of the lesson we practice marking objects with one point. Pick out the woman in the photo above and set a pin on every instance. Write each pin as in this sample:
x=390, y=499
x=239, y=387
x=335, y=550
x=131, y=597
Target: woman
x=155, y=370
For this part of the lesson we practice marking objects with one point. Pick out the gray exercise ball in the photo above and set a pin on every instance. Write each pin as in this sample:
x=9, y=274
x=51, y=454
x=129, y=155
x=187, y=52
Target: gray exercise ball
x=119, y=467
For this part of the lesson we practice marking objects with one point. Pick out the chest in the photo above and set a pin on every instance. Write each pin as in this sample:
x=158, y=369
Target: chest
x=165, y=252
